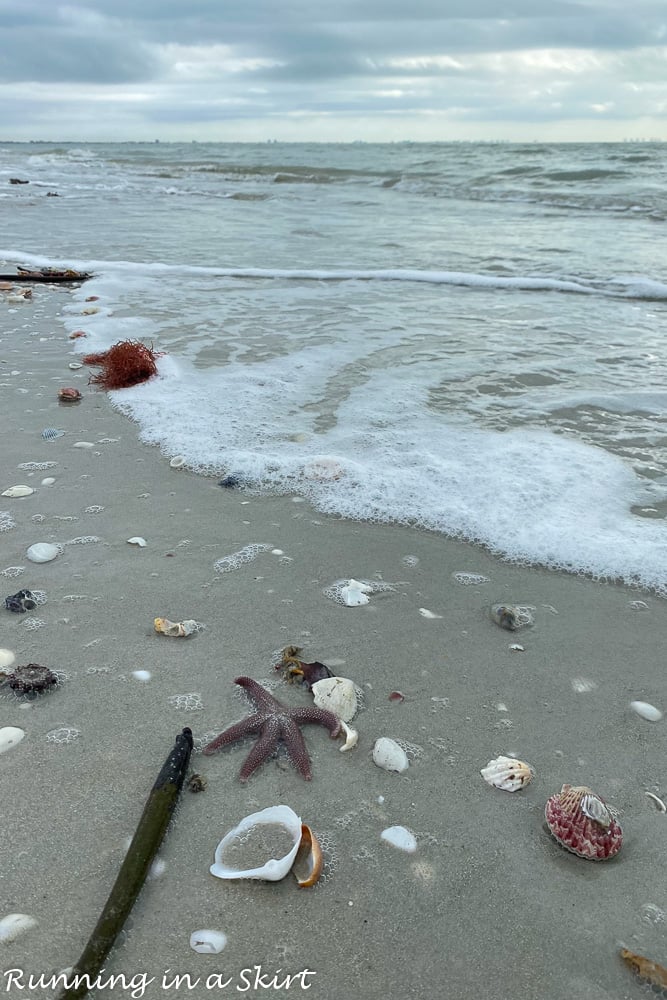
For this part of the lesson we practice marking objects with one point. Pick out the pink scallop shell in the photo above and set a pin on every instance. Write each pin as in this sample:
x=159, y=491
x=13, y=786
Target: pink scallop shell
x=576, y=831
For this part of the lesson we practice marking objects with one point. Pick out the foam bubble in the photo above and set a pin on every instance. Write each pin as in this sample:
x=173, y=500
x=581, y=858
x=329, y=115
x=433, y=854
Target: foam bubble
x=63, y=735
x=244, y=555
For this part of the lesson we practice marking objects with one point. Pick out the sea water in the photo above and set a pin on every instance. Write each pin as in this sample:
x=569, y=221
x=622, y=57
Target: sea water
x=467, y=338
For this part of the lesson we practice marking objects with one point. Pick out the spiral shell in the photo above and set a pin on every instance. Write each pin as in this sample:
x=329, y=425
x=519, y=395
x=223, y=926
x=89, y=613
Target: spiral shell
x=583, y=823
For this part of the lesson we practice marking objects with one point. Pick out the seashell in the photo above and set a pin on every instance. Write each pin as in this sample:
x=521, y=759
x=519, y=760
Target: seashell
x=49, y=481
x=337, y=695
x=42, y=552
x=21, y=602
x=510, y=617
x=165, y=627
x=389, y=755
x=6, y=658
x=18, y=491
x=351, y=737
x=177, y=462
x=69, y=395
x=425, y=613
x=657, y=802
x=400, y=837
x=51, y=433
x=10, y=736
x=646, y=711
x=137, y=540
x=246, y=851
x=77, y=333
x=355, y=593
x=83, y=444
x=307, y=866
x=208, y=942
x=507, y=773
x=74, y=365
x=197, y=783
x=583, y=823
x=15, y=924
x=646, y=969
x=141, y=675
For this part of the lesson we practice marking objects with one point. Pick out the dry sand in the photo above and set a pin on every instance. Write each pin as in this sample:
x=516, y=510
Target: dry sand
x=489, y=906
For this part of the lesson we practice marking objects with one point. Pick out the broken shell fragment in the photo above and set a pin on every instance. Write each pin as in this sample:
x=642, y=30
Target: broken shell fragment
x=177, y=462
x=21, y=602
x=337, y=695
x=389, y=755
x=262, y=846
x=137, y=540
x=507, y=773
x=307, y=866
x=18, y=491
x=355, y=593
x=351, y=736
x=583, y=823
x=42, y=552
x=510, y=617
x=208, y=942
x=165, y=627
x=646, y=969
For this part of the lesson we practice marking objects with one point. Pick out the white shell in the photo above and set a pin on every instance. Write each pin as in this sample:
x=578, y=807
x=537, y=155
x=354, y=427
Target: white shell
x=18, y=491
x=137, y=540
x=208, y=942
x=74, y=365
x=83, y=444
x=646, y=711
x=337, y=695
x=355, y=593
x=351, y=737
x=389, y=755
x=9, y=737
x=177, y=462
x=49, y=481
x=14, y=924
x=6, y=658
x=400, y=837
x=42, y=552
x=141, y=675
x=425, y=613
x=507, y=773
x=274, y=868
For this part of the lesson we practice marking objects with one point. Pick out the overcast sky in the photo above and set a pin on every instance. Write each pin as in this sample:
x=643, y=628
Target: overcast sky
x=342, y=70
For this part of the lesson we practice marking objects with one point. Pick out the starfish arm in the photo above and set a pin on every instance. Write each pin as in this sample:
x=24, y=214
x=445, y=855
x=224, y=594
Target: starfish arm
x=296, y=748
x=259, y=695
x=246, y=727
x=321, y=716
x=263, y=748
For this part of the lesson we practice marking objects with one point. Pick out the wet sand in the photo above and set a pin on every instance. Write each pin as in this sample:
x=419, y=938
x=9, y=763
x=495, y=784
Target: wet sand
x=489, y=906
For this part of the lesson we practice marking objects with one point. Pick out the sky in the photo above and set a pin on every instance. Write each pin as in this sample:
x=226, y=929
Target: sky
x=345, y=70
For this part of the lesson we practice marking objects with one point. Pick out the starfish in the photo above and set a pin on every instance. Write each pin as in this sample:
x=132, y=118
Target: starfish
x=274, y=722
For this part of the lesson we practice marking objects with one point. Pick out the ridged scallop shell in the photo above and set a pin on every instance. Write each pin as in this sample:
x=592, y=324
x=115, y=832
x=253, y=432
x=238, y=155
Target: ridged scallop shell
x=583, y=823
x=507, y=773
x=51, y=433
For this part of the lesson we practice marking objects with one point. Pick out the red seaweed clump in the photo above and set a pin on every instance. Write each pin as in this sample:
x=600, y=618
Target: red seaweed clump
x=126, y=363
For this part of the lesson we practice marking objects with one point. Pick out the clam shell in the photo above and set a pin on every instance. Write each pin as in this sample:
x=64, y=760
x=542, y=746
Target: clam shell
x=583, y=823
x=177, y=462
x=307, y=866
x=273, y=869
x=42, y=552
x=389, y=755
x=208, y=942
x=646, y=711
x=137, y=540
x=15, y=924
x=18, y=491
x=507, y=773
x=401, y=838
x=337, y=695
x=9, y=737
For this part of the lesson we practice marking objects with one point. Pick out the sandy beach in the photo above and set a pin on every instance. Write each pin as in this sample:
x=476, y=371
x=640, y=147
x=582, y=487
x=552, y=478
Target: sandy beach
x=489, y=906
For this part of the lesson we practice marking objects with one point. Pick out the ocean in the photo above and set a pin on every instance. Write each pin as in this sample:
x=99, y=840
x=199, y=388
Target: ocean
x=468, y=338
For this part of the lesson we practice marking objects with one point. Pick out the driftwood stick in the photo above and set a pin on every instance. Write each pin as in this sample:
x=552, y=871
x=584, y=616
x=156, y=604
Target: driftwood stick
x=145, y=843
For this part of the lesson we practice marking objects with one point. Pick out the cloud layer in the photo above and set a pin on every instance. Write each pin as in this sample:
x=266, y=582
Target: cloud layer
x=356, y=69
